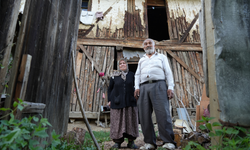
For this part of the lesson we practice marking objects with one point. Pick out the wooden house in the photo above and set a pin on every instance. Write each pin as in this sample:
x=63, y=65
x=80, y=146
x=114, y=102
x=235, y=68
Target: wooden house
x=174, y=26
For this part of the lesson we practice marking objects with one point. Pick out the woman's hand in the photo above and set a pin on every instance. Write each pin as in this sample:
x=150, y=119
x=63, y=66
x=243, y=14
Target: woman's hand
x=137, y=94
x=109, y=104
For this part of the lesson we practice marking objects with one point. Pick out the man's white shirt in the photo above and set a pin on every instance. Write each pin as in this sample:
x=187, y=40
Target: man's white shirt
x=154, y=68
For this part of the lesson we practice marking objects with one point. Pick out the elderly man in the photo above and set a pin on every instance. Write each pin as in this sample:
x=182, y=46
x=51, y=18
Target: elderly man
x=152, y=93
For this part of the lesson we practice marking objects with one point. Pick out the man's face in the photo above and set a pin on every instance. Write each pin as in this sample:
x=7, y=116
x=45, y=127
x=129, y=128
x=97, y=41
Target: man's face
x=148, y=46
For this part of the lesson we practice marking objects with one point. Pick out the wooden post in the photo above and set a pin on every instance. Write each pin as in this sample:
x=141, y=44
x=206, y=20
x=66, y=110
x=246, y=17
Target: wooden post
x=170, y=31
x=8, y=14
x=213, y=95
x=24, y=74
x=17, y=58
x=22, y=80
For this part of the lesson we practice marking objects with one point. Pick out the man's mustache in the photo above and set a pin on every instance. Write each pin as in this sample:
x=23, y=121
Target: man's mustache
x=148, y=48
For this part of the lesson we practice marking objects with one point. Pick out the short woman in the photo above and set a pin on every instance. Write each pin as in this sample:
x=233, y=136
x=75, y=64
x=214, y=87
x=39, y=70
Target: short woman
x=123, y=108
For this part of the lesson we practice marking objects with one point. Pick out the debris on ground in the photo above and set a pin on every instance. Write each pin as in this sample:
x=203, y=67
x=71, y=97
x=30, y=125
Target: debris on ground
x=77, y=135
x=182, y=138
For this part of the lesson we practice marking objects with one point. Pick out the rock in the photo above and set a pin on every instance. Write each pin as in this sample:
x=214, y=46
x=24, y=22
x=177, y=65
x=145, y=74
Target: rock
x=80, y=134
x=76, y=136
x=184, y=143
x=70, y=137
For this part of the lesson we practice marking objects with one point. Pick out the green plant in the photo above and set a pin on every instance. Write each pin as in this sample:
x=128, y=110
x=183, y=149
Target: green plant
x=1, y=66
x=25, y=133
x=11, y=60
x=101, y=137
x=67, y=146
x=30, y=133
x=236, y=138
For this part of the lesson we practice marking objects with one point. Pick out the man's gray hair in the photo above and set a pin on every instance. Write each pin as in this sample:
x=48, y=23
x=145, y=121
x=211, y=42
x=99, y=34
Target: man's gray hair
x=149, y=40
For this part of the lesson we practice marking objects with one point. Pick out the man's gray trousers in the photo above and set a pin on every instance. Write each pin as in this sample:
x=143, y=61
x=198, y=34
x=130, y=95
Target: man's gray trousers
x=154, y=96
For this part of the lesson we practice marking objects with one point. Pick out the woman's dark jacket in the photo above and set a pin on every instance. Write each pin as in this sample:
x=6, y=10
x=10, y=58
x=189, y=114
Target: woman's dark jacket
x=121, y=93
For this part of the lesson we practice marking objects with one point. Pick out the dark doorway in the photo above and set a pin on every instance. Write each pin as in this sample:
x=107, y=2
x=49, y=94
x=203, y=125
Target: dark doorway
x=132, y=67
x=157, y=23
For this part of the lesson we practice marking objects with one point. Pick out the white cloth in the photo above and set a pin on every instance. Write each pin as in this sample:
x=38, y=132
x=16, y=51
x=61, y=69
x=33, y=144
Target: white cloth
x=154, y=68
x=21, y=9
x=87, y=17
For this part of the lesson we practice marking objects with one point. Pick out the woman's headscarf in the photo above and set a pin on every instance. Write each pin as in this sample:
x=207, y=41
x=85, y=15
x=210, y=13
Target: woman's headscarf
x=119, y=72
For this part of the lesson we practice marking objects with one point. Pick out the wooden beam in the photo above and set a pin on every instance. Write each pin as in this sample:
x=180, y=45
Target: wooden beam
x=180, y=48
x=155, y=3
x=78, y=114
x=189, y=28
x=119, y=48
x=169, y=44
x=184, y=65
x=30, y=107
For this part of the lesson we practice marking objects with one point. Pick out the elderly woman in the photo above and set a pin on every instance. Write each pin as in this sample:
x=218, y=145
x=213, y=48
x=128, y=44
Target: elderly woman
x=123, y=108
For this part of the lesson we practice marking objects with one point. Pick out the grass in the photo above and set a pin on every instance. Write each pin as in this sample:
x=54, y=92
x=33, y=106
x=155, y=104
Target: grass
x=101, y=137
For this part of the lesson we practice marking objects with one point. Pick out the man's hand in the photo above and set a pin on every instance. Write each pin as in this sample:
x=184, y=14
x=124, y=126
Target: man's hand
x=170, y=94
x=109, y=104
x=137, y=94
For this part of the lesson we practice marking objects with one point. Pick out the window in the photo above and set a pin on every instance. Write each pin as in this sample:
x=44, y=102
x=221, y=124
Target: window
x=85, y=5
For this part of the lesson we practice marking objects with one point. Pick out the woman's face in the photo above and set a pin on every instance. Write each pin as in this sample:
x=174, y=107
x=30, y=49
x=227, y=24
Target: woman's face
x=122, y=65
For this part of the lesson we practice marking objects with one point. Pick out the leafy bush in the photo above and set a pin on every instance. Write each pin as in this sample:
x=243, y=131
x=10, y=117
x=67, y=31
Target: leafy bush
x=25, y=133
x=28, y=132
x=236, y=138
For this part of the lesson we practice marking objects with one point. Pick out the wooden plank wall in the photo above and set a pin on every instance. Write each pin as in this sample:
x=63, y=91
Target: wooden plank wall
x=90, y=84
x=133, y=25
x=187, y=87
x=178, y=17
x=179, y=26
x=49, y=35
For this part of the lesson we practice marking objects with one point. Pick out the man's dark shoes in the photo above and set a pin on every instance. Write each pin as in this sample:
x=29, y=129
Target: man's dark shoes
x=117, y=145
x=132, y=145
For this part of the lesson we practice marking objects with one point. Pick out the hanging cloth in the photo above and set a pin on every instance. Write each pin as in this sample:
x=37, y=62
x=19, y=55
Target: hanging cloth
x=99, y=15
x=87, y=17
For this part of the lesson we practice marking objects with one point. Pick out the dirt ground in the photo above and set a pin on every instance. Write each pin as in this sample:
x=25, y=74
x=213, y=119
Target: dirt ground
x=107, y=145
